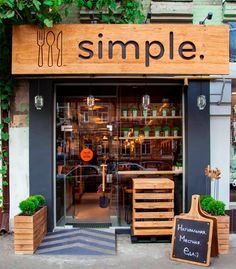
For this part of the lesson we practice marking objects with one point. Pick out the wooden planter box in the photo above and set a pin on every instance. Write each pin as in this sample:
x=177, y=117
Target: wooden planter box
x=223, y=233
x=29, y=231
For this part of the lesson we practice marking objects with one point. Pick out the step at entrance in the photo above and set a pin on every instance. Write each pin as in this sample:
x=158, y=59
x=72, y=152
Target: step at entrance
x=79, y=242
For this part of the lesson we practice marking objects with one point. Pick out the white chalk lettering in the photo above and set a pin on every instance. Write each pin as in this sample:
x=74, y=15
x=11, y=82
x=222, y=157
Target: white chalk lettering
x=188, y=241
x=187, y=252
x=189, y=230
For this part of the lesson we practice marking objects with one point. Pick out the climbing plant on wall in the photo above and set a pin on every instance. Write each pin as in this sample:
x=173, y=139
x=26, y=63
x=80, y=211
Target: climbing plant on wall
x=44, y=13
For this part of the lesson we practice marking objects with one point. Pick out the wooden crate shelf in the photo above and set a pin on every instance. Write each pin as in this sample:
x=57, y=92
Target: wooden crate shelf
x=153, y=206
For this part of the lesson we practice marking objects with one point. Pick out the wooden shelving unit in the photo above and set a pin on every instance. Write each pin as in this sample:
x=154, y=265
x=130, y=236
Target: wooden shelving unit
x=153, y=207
x=151, y=117
x=150, y=137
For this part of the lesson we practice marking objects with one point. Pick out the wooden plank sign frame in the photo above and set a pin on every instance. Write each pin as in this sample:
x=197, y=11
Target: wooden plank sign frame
x=192, y=236
x=120, y=49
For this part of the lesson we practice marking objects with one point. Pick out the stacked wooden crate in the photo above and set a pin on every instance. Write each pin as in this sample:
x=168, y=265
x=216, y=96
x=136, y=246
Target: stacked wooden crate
x=153, y=207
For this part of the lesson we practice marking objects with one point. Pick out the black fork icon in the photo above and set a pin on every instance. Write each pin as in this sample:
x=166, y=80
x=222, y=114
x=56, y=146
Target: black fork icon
x=40, y=43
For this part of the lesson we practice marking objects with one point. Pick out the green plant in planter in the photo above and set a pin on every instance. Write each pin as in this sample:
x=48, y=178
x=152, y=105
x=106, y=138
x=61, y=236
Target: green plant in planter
x=136, y=131
x=134, y=110
x=157, y=130
x=30, y=205
x=125, y=130
x=173, y=111
x=175, y=130
x=27, y=207
x=165, y=112
x=166, y=130
x=124, y=111
x=212, y=206
x=146, y=130
x=41, y=199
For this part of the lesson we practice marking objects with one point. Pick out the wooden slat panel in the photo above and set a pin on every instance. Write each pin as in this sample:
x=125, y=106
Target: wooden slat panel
x=28, y=242
x=223, y=231
x=222, y=236
x=154, y=186
x=23, y=231
x=154, y=196
x=223, y=225
x=153, y=224
x=23, y=247
x=23, y=236
x=151, y=205
x=152, y=180
x=153, y=215
x=24, y=219
x=157, y=196
x=152, y=231
x=29, y=252
x=24, y=225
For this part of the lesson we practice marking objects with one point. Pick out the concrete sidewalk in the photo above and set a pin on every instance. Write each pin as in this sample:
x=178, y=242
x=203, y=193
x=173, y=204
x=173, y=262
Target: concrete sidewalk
x=132, y=256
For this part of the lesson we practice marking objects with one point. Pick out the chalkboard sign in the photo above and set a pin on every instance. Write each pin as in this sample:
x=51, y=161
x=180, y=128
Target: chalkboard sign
x=191, y=240
x=192, y=236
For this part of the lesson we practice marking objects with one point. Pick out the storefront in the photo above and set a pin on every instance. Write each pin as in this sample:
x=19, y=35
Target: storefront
x=131, y=103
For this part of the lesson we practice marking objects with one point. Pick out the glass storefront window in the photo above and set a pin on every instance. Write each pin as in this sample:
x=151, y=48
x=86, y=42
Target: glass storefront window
x=134, y=131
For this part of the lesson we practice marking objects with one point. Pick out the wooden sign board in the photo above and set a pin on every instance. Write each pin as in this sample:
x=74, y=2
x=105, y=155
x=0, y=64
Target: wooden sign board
x=121, y=49
x=192, y=237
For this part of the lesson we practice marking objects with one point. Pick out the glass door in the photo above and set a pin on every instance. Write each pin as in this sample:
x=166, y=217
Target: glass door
x=87, y=152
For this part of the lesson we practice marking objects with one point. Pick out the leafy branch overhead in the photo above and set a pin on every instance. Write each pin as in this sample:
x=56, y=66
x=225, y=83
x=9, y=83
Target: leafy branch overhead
x=46, y=13
x=49, y=12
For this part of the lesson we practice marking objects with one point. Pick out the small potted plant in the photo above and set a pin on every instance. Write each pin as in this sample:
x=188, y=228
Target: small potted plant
x=146, y=130
x=125, y=131
x=175, y=131
x=216, y=208
x=136, y=131
x=165, y=112
x=157, y=131
x=154, y=112
x=134, y=111
x=124, y=112
x=173, y=111
x=145, y=113
x=166, y=130
x=32, y=220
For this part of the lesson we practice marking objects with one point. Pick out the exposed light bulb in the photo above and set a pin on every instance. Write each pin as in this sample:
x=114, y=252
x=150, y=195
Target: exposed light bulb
x=201, y=101
x=38, y=102
x=145, y=101
x=90, y=102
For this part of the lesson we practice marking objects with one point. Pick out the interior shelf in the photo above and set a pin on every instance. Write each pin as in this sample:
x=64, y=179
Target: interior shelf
x=151, y=137
x=150, y=117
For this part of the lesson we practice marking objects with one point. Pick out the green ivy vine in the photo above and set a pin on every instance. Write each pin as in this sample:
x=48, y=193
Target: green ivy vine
x=45, y=13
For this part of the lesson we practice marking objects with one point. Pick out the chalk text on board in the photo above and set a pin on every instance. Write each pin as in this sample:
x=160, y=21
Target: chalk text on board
x=152, y=49
x=189, y=241
x=181, y=228
x=187, y=252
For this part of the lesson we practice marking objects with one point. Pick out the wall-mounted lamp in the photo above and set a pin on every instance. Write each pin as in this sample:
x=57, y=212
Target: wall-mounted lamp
x=201, y=101
x=145, y=101
x=38, y=102
x=90, y=102
x=208, y=17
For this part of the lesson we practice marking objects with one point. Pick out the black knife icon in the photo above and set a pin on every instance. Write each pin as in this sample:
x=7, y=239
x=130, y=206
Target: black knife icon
x=59, y=48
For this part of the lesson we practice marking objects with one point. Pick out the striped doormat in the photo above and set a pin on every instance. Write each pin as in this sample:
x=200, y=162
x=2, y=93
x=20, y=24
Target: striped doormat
x=79, y=242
